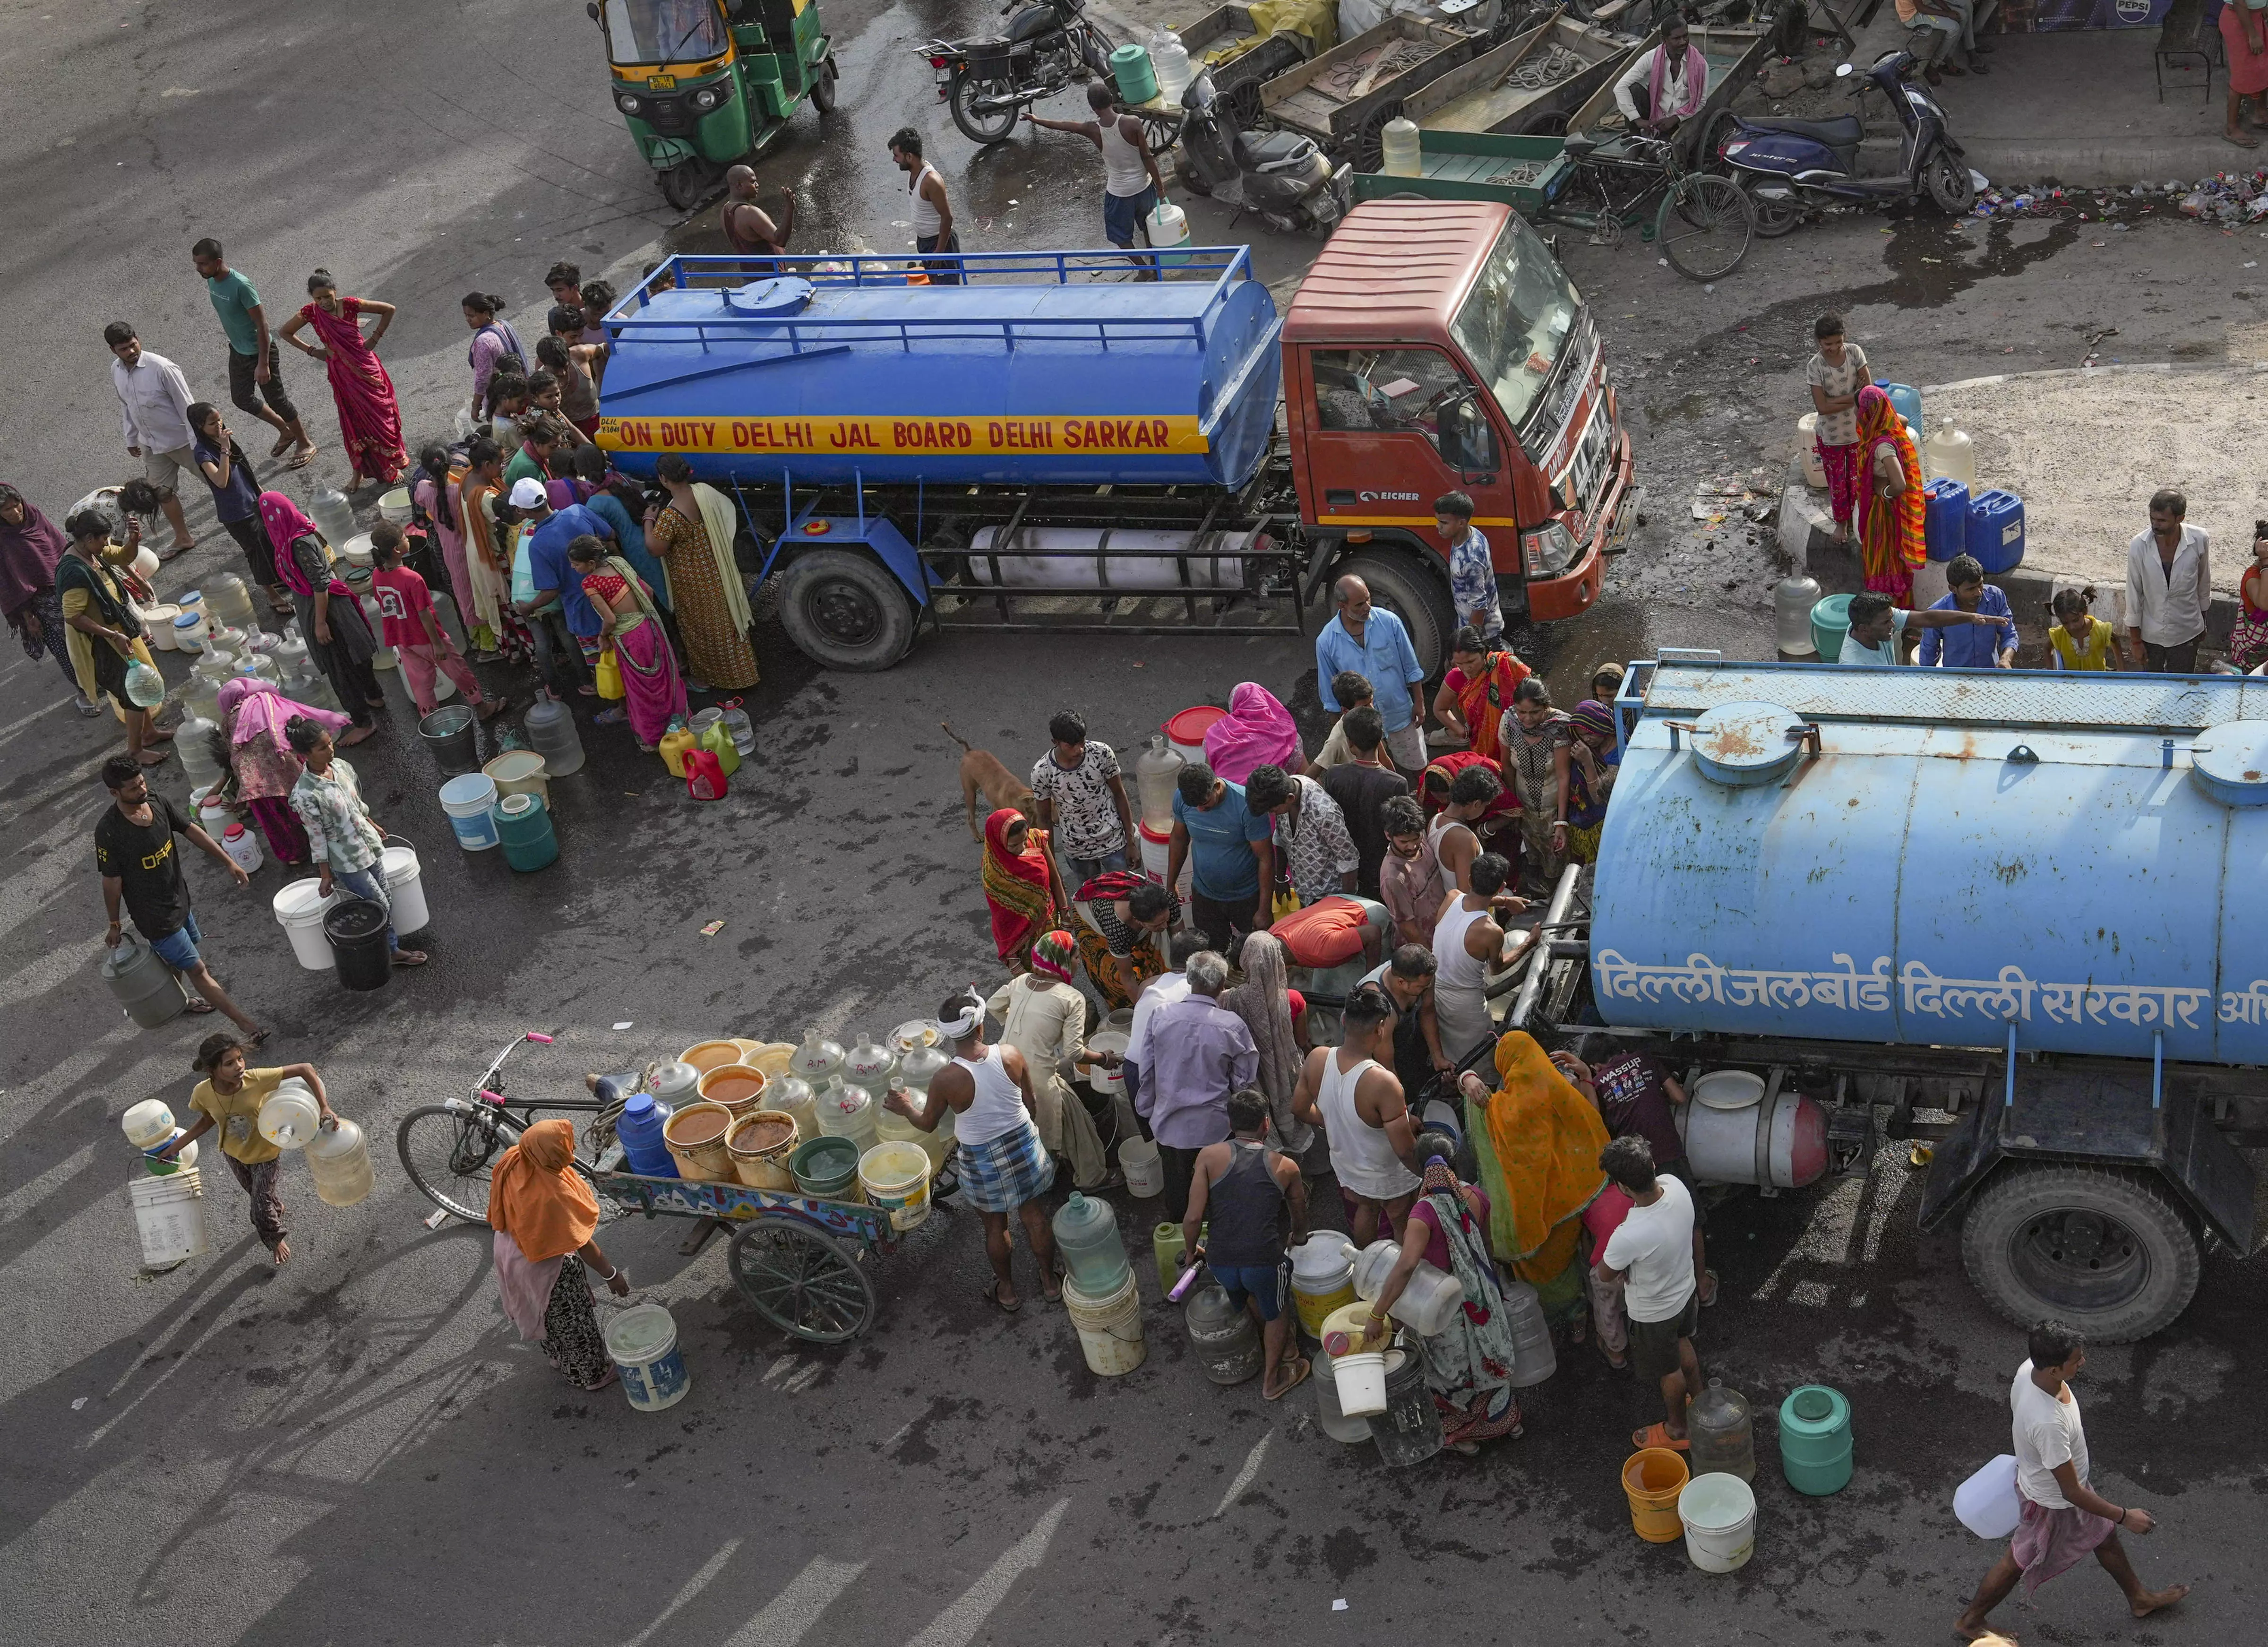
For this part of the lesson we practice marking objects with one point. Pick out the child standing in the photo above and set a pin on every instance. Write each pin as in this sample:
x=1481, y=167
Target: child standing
x=413, y=628
x=1836, y=374
x=2078, y=639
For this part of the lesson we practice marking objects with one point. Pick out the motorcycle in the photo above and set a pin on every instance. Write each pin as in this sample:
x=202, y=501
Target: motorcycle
x=1281, y=175
x=989, y=82
x=1790, y=167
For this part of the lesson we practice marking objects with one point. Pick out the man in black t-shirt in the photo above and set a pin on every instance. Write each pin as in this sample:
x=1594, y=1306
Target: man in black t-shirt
x=140, y=867
x=1362, y=786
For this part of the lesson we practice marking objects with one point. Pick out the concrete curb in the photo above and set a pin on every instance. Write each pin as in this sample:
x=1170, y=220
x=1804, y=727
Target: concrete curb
x=2090, y=372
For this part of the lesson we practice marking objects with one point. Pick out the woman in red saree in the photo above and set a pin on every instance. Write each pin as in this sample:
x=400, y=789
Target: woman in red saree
x=1020, y=886
x=1890, y=501
x=370, y=422
x=1477, y=689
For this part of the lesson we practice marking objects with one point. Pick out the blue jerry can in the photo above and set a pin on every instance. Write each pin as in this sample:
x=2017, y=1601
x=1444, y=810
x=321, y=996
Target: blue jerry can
x=1945, y=519
x=1996, y=530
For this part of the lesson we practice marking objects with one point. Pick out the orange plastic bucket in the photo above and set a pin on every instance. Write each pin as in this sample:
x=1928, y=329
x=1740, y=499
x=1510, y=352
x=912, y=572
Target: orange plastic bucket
x=736, y=1086
x=1652, y=1480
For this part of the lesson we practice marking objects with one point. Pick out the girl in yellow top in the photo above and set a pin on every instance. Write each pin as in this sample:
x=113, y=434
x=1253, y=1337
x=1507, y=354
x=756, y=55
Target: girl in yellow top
x=2078, y=639
x=229, y=1098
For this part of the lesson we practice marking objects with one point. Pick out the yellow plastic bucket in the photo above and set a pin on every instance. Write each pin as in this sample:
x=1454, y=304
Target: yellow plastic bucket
x=737, y=1087
x=758, y=1163
x=1652, y=1480
x=696, y=1137
x=895, y=1179
x=707, y=1055
x=1312, y=1307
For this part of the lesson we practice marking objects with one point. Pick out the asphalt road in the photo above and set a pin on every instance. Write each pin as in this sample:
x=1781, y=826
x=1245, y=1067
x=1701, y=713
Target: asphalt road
x=358, y=1451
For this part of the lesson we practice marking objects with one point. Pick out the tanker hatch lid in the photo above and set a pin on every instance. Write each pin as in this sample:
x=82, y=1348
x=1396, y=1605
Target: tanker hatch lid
x=2230, y=763
x=774, y=297
x=1740, y=745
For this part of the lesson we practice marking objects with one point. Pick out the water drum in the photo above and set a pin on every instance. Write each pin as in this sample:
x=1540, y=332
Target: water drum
x=299, y=909
x=405, y=888
x=642, y=1343
x=1409, y=1430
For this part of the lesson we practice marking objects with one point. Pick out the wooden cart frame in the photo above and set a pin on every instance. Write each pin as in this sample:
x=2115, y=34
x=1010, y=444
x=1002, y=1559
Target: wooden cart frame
x=1237, y=79
x=1471, y=97
x=1351, y=127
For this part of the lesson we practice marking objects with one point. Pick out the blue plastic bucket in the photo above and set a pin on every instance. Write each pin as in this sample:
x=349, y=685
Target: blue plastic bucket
x=1996, y=530
x=1945, y=519
x=468, y=800
x=642, y=1343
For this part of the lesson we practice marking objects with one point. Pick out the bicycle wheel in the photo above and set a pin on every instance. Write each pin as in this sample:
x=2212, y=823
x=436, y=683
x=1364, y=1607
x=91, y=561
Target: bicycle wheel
x=1705, y=227
x=449, y=1156
x=801, y=1281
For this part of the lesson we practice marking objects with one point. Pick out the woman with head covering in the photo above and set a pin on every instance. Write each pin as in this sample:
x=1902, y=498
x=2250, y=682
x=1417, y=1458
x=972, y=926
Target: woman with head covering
x=1537, y=737
x=369, y=421
x=1264, y=1001
x=1019, y=886
x=631, y=623
x=1593, y=764
x=30, y=547
x=692, y=536
x=1256, y=731
x=1537, y=1141
x=1118, y=920
x=1043, y=1017
x=254, y=753
x=545, y=1214
x=103, y=632
x=491, y=625
x=338, y=635
x=1483, y=673
x=1606, y=681
x=1890, y=501
x=1469, y=1364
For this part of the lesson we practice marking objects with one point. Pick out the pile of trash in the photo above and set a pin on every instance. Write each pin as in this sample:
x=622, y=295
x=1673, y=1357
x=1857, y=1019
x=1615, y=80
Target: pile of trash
x=2226, y=199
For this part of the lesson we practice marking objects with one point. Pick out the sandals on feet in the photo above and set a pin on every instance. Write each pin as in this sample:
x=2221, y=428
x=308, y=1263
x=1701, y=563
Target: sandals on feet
x=993, y=1297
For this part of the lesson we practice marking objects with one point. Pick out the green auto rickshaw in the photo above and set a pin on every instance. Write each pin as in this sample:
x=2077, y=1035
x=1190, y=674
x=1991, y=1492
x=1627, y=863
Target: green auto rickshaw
x=705, y=83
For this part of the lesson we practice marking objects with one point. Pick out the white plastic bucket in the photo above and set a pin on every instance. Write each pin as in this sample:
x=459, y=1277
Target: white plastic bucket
x=1156, y=853
x=148, y=1124
x=1987, y=1504
x=641, y=1342
x=299, y=909
x=169, y=1217
x=1109, y=1328
x=468, y=799
x=1719, y=1513
x=1144, y=1171
x=895, y=1179
x=158, y=624
x=397, y=866
x=1360, y=1380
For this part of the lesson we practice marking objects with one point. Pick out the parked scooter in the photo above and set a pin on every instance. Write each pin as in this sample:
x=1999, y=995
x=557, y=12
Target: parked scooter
x=1281, y=175
x=1790, y=167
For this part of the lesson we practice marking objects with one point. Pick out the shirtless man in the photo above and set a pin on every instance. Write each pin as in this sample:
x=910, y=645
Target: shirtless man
x=749, y=226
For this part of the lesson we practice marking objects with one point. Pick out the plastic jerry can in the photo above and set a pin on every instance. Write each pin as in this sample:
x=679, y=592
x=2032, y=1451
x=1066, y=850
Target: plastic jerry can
x=674, y=742
x=1945, y=518
x=1996, y=530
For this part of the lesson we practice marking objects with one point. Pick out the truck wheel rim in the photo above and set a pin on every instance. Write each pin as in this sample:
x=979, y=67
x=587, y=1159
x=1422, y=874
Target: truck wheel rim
x=2080, y=1259
x=843, y=612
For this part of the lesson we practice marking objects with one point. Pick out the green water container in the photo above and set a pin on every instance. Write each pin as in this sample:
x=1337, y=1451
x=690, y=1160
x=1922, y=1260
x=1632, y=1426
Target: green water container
x=1137, y=81
x=1815, y=1440
x=1831, y=621
x=827, y=1169
x=523, y=825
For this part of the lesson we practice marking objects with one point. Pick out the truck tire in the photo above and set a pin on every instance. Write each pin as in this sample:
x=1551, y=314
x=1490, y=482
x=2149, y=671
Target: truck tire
x=1421, y=602
x=845, y=610
x=2108, y=1249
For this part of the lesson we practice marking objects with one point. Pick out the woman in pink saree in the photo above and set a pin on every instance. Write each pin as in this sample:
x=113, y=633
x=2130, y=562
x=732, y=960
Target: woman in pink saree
x=1256, y=731
x=370, y=422
x=653, y=692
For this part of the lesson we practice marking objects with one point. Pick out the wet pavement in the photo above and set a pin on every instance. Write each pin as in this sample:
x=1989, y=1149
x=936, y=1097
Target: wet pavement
x=357, y=1449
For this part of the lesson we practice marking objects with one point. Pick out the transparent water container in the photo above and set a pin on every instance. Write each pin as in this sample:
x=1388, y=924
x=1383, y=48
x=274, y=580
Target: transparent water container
x=551, y=733
x=333, y=516
x=227, y=601
x=1949, y=453
x=1170, y=60
x=1094, y=1256
x=193, y=742
x=311, y=685
x=338, y=1156
x=1533, y=1358
x=1792, y=604
x=849, y=1112
x=1399, y=144
x=792, y=1095
x=893, y=1128
x=817, y=1061
x=1722, y=1436
x=201, y=697
x=1155, y=771
x=918, y=1066
x=1429, y=1298
x=870, y=1064
x=742, y=729
x=260, y=667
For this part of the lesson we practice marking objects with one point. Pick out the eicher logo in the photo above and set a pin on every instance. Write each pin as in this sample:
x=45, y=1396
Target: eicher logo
x=1388, y=497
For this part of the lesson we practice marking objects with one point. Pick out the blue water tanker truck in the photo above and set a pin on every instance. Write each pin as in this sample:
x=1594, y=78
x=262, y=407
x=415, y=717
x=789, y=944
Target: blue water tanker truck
x=1040, y=440
x=2012, y=913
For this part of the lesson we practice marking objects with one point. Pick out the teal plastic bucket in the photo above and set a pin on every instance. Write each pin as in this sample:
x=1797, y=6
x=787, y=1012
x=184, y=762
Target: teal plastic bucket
x=1831, y=621
x=523, y=825
x=1815, y=1440
x=827, y=1169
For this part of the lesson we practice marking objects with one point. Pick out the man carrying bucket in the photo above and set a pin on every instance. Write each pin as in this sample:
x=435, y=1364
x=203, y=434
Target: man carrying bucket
x=229, y=1098
x=1248, y=1188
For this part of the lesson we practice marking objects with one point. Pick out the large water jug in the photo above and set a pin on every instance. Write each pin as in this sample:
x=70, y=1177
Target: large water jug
x=1094, y=1256
x=1792, y=604
x=893, y=1128
x=311, y=686
x=870, y=1064
x=1722, y=1436
x=551, y=733
x=818, y=1061
x=1905, y=399
x=639, y=1127
x=1227, y=1343
x=1987, y=1503
x=1949, y=453
x=289, y=652
x=193, y=742
x=289, y=1117
x=919, y=1064
x=227, y=603
x=1806, y=447
x=1169, y=232
x=793, y=1095
x=1533, y=1358
x=260, y=667
x=847, y=1112
x=144, y=988
x=333, y=516
x=1428, y=1300
x=1170, y=59
x=1156, y=771
x=338, y=1156
x=147, y=1124
x=1945, y=518
x=1996, y=531
x=1399, y=145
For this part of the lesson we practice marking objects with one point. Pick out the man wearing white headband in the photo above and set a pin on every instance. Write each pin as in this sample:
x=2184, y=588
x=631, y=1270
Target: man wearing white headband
x=1004, y=1166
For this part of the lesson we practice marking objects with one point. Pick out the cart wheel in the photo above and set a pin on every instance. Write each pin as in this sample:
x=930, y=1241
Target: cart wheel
x=801, y=1281
x=822, y=89
x=1705, y=227
x=1163, y=131
x=1552, y=123
x=1244, y=103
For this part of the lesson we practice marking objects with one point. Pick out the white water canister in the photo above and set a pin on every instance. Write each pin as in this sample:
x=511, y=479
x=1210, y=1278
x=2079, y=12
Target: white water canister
x=1429, y=1298
x=290, y=1116
x=1987, y=1503
x=148, y=1124
x=1169, y=61
x=1807, y=445
x=338, y=1156
x=169, y=1217
x=242, y=847
x=1719, y=1514
x=469, y=800
x=1400, y=152
x=299, y=909
x=642, y=1343
x=190, y=630
x=405, y=889
x=157, y=620
x=1949, y=453
x=213, y=816
x=1169, y=232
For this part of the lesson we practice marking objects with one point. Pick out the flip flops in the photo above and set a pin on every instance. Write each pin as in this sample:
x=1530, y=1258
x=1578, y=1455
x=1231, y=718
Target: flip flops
x=1657, y=1435
x=1300, y=1368
x=993, y=1297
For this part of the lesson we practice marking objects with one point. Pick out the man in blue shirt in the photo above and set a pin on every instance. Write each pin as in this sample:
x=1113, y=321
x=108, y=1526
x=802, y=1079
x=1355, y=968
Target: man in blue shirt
x=1983, y=646
x=1231, y=854
x=558, y=589
x=1374, y=644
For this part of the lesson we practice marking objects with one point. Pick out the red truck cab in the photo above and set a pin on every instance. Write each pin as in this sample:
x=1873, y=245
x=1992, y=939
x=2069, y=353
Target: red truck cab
x=1438, y=346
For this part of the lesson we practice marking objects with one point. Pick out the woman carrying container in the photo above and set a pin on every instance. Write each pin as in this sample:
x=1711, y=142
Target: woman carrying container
x=256, y=755
x=1484, y=673
x=1469, y=1364
x=545, y=1215
x=1537, y=1139
x=229, y=1098
x=338, y=635
x=631, y=623
x=692, y=536
x=103, y=630
x=1890, y=501
x=1043, y=1017
x=341, y=838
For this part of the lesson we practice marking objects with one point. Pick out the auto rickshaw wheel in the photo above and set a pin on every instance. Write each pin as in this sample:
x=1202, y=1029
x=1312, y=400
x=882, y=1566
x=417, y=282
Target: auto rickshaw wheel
x=822, y=87
x=682, y=185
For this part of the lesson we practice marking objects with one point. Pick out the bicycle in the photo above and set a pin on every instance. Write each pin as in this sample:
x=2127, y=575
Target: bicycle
x=449, y=1148
x=1704, y=223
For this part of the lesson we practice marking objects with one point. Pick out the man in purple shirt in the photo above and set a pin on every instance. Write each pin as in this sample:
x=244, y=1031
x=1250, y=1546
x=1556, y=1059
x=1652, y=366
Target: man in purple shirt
x=1199, y=1053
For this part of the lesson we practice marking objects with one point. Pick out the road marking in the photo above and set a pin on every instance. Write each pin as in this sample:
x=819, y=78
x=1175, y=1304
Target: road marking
x=1243, y=1476
x=957, y=1624
x=772, y=1372
x=693, y=1587
x=896, y=1435
x=792, y=1613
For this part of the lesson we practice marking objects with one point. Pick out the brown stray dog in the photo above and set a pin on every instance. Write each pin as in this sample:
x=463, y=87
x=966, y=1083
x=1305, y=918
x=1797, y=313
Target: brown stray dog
x=981, y=773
